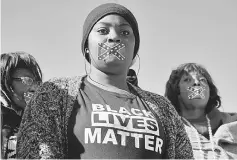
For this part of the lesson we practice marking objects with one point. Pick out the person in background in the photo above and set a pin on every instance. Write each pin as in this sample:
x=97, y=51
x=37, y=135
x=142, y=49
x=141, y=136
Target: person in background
x=20, y=76
x=213, y=133
x=132, y=77
x=101, y=115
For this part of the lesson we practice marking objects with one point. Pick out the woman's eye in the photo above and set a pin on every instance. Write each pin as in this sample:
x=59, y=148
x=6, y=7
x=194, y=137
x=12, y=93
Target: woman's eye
x=187, y=79
x=125, y=33
x=102, y=31
x=203, y=80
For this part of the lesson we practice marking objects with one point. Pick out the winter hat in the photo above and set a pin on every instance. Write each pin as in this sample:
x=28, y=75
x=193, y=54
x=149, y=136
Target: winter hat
x=101, y=11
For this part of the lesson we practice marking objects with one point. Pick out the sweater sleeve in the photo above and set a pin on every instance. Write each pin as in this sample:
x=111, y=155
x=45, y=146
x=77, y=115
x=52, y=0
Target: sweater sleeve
x=41, y=131
x=179, y=146
x=183, y=148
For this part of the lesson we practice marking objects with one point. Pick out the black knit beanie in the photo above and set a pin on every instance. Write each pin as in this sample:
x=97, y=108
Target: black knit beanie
x=101, y=11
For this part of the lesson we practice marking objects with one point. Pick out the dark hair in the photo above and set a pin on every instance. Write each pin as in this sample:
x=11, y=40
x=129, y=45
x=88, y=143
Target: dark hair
x=172, y=85
x=14, y=60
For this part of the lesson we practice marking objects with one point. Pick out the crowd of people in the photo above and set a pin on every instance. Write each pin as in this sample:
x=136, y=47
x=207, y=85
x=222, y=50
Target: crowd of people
x=104, y=114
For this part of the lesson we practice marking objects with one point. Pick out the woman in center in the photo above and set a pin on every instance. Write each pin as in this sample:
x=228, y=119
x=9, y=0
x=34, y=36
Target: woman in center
x=101, y=115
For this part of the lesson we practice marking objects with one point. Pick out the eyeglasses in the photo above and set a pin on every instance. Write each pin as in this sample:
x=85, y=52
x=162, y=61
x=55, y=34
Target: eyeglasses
x=25, y=80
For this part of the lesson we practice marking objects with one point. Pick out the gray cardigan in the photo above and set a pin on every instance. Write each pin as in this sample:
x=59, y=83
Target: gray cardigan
x=43, y=131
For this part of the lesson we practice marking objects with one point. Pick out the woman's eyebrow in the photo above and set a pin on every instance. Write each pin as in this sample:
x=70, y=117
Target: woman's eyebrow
x=124, y=24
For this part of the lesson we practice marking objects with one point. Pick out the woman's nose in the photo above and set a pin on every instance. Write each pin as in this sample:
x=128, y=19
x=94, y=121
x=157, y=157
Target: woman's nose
x=114, y=37
x=196, y=82
x=110, y=40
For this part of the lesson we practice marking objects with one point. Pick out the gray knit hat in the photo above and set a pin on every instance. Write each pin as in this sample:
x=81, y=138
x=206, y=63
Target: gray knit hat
x=101, y=11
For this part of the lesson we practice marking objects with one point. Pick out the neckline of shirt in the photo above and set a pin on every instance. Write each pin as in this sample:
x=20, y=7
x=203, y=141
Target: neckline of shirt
x=116, y=91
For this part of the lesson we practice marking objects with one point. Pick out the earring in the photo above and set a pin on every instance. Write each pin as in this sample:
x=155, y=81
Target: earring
x=85, y=62
x=133, y=62
x=218, y=104
x=87, y=50
x=87, y=55
x=137, y=64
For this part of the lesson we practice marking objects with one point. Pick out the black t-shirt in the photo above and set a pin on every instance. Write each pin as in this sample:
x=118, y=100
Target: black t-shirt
x=113, y=124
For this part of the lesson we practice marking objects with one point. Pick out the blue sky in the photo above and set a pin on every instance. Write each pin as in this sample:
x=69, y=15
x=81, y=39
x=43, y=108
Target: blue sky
x=172, y=32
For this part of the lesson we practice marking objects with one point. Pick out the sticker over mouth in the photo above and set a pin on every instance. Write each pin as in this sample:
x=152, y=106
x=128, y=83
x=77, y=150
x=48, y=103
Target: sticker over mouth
x=111, y=51
x=196, y=92
x=28, y=96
